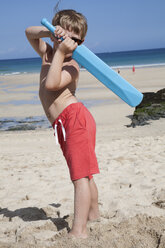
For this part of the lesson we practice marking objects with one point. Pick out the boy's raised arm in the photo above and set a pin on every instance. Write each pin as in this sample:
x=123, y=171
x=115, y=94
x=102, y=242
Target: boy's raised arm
x=34, y=35
x=60, y=76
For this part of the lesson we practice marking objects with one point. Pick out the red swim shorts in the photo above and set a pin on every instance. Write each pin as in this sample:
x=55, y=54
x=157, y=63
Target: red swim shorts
x=75, y=129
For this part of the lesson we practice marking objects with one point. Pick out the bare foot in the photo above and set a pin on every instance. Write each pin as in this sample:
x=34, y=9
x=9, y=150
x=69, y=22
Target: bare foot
x=94, y=216
x=76, y=235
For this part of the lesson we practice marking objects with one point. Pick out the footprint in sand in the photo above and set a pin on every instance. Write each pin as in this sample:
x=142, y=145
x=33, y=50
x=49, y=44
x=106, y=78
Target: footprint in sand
x=159, y=198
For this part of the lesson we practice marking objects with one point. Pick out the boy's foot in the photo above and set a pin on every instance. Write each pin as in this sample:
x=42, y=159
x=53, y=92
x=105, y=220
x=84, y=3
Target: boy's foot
x=94, y=217
x=94, y=220
x=75, y=235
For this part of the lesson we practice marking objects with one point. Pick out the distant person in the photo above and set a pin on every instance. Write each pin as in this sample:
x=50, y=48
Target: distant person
x=74, y=125
x=118, y=71
x=133, y=68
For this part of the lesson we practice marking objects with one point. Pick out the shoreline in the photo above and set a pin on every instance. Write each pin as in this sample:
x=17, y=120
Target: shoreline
x=115, y=68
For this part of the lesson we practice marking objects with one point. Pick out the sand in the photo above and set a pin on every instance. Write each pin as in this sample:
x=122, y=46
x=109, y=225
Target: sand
x=36, y=195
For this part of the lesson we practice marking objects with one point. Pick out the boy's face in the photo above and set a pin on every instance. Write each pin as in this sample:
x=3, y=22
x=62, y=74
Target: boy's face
x=75, y=37
x=71, y=34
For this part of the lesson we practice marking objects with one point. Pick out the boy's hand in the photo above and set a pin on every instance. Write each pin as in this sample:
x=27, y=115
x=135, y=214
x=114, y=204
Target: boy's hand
x=60, y=32
x=67, y=46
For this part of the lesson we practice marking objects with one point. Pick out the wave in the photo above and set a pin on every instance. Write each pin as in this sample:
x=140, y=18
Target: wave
x=13, y=73
x=140, y=58
x=84, y=69
x=137, y=66
x=130, y=66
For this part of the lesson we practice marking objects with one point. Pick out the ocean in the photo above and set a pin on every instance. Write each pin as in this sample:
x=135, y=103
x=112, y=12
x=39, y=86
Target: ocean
x=139, y=58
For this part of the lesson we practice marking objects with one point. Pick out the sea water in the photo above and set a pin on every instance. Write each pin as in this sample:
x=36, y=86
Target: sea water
x=140, y=58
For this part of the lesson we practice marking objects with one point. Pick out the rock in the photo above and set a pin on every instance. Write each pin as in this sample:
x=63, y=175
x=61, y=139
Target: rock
x=152, y=107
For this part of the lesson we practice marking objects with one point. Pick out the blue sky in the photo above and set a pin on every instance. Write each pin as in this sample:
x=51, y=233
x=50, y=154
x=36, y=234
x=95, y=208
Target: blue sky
x=114, y=25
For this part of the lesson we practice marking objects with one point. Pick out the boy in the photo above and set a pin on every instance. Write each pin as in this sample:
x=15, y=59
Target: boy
x=74, y=125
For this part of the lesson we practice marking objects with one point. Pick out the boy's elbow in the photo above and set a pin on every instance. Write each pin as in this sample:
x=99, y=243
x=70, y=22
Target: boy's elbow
x=27, y=31
x=49, y=86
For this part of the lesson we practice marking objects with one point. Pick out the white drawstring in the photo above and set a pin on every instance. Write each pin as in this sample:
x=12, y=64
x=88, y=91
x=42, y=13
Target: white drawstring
x=56, y=133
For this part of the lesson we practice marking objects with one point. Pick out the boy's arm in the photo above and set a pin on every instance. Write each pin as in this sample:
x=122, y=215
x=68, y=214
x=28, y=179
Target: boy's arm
x=34, y=35
x=59, y=76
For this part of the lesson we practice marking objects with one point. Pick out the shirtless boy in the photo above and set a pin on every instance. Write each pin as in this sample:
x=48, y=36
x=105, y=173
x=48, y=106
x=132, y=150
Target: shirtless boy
x=74, y=125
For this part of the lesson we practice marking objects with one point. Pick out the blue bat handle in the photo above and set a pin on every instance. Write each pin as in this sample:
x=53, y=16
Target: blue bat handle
x=49, y=26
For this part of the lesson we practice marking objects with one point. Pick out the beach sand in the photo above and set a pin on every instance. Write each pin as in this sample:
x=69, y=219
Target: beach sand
x=36, y=194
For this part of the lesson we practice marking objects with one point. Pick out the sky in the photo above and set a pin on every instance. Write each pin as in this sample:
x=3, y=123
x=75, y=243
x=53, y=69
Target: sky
x=113, y=25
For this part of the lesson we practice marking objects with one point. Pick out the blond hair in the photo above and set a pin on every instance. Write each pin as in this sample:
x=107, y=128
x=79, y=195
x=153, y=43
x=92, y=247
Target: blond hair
x=72, y=21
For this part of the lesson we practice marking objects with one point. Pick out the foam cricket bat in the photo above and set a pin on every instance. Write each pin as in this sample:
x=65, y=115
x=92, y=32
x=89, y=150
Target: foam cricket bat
x=111, y=79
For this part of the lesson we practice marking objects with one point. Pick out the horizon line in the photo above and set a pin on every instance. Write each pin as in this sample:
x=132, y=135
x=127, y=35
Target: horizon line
x=122, y=51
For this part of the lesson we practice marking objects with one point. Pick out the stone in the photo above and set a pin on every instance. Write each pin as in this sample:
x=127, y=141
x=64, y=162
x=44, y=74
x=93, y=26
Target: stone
x=152, y=107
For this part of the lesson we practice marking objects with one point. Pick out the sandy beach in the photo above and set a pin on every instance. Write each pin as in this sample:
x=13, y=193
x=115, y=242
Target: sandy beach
x=36, y=194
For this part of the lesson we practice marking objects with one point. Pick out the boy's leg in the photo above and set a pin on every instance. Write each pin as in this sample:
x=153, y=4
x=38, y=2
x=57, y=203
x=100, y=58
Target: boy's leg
x=82, y=200
x=94, y=208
